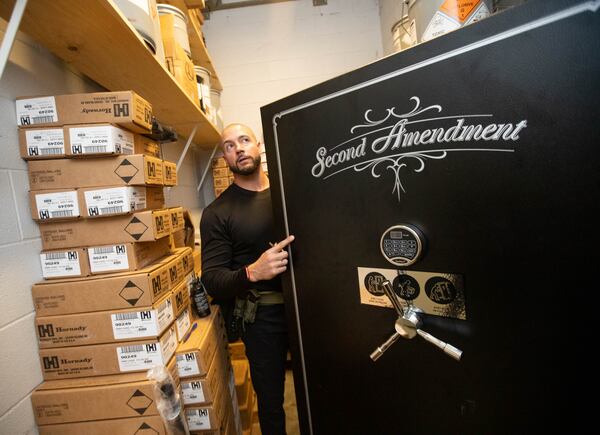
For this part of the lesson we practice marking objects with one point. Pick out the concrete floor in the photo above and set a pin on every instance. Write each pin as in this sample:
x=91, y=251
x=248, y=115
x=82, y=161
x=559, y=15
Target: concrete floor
x=289, y=404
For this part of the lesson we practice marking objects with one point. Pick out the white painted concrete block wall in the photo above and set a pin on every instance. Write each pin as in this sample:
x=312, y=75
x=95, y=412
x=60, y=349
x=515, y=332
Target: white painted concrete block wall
x=264, y=53
x=31, y=70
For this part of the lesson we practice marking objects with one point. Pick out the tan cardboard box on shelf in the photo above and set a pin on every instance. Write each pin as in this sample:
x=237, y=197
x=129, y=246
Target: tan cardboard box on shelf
x=177, y=220
x=205, y=417
x=115, y=200
x=221, y=172
x=221, y=182
x=219, y=162
x=69, y=263
x=96, y=398
x=237, y=350
x=102, y=292
x=124, y=108
x=169, y=173
x=180, y=66
x=195, y=354
x=195, y=4
x=51, y=143
x=61, y=204
x=52, y=205
x=141, y=226
x=197, y=261
x=179, y=267
x=181, y=298
x=42, y=143
x=183, y=323
x=132, y=170
x=107, y=359
x=150, y=425
x=212, y=416
x=94, y=140
x=178, y=239
x=185, y=262
x=167, y=26
x=145, y=145
x=201, y=390
x=106, y=326
x=125, y=257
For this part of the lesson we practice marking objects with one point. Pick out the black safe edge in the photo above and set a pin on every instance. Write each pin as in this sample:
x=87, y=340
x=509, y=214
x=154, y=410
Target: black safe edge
x=520, y=43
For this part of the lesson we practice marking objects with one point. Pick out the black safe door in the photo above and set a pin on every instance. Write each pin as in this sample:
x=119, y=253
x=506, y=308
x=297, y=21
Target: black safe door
x=486, y=142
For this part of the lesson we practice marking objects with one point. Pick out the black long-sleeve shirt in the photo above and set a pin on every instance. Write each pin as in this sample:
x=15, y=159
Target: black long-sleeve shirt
x=235, y=230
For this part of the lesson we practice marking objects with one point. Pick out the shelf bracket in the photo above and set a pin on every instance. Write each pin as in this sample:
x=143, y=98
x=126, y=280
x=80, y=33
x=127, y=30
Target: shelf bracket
x=11, y=33
x=187, y=146
x=208, y=166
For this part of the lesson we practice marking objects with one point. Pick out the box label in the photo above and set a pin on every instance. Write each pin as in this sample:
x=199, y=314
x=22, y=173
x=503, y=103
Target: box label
x=168, y=343
x=100, y=139
x=32, y=111
x=115, y=200
x=108, y=258
x=55, y=264
x=192, y=392
x=49, y=142
x=198, y=419
x=139, y=357
x=134, y=325
x=187, y=364
x=183, y=323
x=57, y=205
x=165, y=314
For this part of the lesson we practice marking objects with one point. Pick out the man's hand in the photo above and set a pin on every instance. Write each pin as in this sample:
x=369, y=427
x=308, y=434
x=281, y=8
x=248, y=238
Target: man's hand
x=271, y=263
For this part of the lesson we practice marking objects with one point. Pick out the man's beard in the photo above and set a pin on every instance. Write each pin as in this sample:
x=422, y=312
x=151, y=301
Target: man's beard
x=247, y=170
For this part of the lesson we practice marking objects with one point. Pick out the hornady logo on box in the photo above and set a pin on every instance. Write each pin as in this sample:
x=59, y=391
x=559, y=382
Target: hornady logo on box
x=151, y=169
x=159, y=222
x=179, y=300
x=46, y=330
x=156, y=285
x=53, y=363
x=121, y=109
x=173, y=272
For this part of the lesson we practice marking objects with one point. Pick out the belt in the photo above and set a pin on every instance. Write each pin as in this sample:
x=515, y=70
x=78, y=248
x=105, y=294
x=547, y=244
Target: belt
x=270, y=298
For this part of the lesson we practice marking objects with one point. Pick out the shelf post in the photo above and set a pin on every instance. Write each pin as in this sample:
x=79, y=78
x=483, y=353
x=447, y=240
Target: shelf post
x=208, y=166
x=187, y=146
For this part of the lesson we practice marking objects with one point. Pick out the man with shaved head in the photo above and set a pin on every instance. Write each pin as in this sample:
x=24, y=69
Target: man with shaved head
x=241, y=261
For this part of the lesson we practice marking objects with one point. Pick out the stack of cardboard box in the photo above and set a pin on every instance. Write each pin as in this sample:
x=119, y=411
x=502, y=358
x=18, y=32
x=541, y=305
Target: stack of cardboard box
x=177, y=62
x=222, y=175
x=207, y=378
x=115, y=301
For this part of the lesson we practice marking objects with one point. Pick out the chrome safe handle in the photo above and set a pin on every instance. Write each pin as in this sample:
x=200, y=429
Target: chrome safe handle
x=391, y=295
x=407, y=326
x=381, y=349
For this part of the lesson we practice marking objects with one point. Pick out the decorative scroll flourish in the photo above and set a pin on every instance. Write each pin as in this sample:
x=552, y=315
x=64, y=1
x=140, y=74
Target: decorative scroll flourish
x=396, y=164
x=417, y=110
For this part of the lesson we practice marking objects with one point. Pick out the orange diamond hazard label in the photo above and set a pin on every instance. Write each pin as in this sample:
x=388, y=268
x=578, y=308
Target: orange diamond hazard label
x=459, y=9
